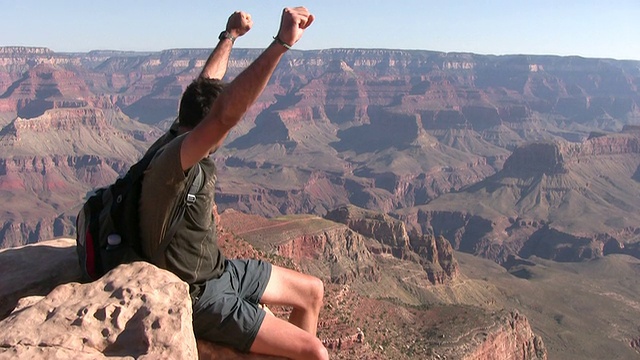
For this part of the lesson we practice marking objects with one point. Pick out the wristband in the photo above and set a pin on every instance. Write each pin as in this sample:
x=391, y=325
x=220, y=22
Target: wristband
x=277, y=39
x=227, y=35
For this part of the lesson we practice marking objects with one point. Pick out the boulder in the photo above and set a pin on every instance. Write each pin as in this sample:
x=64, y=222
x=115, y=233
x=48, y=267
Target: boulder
x=136, y=311
x=35, y=270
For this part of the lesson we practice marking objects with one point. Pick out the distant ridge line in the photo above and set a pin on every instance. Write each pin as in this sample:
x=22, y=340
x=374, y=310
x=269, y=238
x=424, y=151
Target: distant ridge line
x=16, y=50
x=28, y=50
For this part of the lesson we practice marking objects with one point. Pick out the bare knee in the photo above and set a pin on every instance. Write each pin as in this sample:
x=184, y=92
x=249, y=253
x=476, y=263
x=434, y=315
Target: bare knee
x=288, y=287
x=316, y=293
x=315, y=350
x=312, y=295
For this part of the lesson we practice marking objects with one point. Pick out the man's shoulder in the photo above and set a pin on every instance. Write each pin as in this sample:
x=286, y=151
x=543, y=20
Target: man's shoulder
x=165, y=162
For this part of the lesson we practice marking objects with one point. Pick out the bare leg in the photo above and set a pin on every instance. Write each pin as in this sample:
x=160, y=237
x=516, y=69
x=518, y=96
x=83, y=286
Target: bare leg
x=303, y=292
x=281, y=338
x=295, y=339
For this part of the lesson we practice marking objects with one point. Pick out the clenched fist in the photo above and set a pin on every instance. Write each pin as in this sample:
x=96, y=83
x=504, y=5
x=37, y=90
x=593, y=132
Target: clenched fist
x=239, y=23
x=293, y=23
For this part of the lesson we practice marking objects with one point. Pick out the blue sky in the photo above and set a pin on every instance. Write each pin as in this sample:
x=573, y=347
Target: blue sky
x=588, y=28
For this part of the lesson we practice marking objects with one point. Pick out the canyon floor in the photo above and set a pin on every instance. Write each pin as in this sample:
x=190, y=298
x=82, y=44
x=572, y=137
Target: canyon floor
x=582, y=311
x=586, y=310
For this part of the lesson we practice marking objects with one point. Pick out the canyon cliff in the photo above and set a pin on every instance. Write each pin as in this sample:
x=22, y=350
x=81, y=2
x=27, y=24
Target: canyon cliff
x=561, y=201
x=387, y=165
x=434, y=254
x=141, y=311
x=379, y=129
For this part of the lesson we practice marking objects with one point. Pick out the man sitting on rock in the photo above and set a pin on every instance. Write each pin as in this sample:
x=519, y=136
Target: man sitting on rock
x=226, y=293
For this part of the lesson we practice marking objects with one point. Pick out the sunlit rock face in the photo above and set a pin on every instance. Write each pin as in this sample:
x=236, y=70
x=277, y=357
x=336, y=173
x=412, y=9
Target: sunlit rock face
x=379, y=129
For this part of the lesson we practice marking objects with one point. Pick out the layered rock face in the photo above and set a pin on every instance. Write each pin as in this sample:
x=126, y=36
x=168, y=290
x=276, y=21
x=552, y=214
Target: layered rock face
x=434, y=254
x=374, y=225
x=566, y=202
x=317, y=245
x=515, y=333
x=304, y=239
x=343, y=250
x=536, y=158
x=52, y=161
x=380, y=129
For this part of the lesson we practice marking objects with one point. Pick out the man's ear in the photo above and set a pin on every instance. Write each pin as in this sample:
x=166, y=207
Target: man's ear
x=183, y=129
x=175, y=127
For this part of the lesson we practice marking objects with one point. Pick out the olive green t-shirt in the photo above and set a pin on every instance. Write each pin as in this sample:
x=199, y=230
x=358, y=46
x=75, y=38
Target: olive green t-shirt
x=193, y=254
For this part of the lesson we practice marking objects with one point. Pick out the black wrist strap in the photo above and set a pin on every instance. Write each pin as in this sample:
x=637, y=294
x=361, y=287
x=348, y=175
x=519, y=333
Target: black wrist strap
x=227, y=35
x=277, y=39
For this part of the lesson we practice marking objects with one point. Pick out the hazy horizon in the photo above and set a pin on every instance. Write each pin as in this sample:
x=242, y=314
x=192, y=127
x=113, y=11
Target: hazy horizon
x=593, y=29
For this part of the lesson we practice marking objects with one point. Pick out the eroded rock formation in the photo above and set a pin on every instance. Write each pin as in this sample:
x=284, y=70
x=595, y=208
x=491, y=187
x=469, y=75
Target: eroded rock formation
x=435, y=254
x=566, y=202
x=317, y=245
x=380, y=129
x=510, y=331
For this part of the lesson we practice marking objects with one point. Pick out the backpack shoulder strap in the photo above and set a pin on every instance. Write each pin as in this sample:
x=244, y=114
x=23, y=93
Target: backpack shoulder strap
x=137, y=170
x=135, y=174
x=196, y=185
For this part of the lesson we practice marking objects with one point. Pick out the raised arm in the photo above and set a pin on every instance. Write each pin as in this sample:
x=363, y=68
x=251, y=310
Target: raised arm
x=238, y=24
x=231, y=105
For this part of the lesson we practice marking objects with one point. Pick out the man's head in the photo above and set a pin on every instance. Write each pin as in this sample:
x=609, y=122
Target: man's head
x=197, y=100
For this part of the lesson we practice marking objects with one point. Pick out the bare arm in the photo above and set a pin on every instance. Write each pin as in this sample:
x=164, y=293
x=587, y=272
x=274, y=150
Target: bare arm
x=239, y=23
x=242, y=92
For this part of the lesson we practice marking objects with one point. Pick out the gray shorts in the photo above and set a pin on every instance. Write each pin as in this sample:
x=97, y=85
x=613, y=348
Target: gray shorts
x=227, y=311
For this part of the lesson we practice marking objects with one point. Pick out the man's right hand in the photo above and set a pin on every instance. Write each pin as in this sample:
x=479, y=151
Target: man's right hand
x=293, y=23
x=239, y=23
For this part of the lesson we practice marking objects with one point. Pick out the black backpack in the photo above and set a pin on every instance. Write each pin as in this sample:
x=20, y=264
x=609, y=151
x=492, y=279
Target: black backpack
x=107, y=226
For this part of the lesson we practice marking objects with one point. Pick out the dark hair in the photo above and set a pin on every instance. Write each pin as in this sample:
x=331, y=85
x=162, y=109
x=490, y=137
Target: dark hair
x=197, y=100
